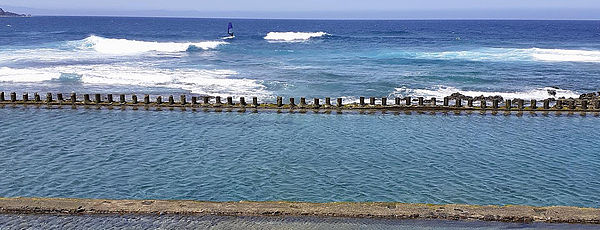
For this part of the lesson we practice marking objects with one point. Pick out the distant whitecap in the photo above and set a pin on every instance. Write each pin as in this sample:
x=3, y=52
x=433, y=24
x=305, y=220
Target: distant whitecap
x=293, y=36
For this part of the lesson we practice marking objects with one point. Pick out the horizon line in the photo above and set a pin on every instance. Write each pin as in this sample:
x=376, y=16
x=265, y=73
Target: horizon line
x=323, y=19
x=437, y=14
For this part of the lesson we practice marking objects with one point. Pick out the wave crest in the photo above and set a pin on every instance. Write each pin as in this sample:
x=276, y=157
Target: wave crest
x=198, y=81
x=293, y=36
x=443, y=91
x=127, y=47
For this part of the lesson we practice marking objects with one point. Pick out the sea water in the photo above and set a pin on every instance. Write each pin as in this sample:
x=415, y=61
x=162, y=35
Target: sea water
x=300, y=58
x=231, y=156
x=126, y=154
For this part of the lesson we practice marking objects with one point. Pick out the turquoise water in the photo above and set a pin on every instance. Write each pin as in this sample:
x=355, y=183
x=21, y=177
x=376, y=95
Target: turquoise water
x=473, y=159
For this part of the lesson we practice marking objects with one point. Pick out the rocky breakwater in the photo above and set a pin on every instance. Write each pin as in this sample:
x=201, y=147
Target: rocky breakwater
x=586, y=98
x=11, y=14
x=478, y=98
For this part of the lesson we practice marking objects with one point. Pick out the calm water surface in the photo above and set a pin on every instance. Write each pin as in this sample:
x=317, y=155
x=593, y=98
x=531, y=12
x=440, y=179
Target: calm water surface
x=473, y=159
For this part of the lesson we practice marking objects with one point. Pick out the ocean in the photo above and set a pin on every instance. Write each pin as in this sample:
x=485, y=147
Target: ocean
x=299, y=58
x=420, y=158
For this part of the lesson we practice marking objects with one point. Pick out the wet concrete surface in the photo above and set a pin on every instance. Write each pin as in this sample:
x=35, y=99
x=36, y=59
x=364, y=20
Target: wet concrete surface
x=136, y=221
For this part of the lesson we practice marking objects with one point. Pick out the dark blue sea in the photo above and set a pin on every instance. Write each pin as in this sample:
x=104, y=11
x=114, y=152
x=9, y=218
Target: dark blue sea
x=126, y=154
x=310, y=58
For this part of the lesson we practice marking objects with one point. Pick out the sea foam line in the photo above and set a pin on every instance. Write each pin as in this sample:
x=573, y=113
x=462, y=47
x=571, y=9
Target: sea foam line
x=440, y=91
x=511, y=54
x=293, y=36
x=558, y=55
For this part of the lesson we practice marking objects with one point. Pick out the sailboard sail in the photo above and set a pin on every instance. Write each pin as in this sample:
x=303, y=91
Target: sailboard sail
x=230, y=29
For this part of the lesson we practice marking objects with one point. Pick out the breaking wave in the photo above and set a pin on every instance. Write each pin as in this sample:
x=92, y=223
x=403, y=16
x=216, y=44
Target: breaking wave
x=566, y=55
x=510, y=54
x=26, y=75
x=443, y=91
x=127, y=47
x=198, y=81
x=293, y=36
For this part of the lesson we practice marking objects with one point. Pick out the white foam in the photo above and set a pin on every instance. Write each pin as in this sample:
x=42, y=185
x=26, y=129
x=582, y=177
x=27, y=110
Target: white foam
x=560, y=55
x=101, y=50
x=26, y=75
x=511, y=54
x=127, y=47
x=199, y=81
x=443, y=91
x=49, y=55
x=293, y=36
x=485, y=54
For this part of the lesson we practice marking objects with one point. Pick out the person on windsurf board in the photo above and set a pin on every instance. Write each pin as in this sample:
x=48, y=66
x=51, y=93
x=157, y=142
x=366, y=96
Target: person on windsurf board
x=230, y=31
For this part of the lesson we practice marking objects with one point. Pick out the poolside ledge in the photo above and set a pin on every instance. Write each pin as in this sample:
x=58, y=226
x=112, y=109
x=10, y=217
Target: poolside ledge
x=511, y=213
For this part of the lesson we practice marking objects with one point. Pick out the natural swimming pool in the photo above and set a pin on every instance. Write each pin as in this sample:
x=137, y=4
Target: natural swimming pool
x=473, y=159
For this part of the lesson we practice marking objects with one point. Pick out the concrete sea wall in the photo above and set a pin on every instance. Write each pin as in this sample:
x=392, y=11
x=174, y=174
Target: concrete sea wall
x=521, y=214
x=455, y=102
